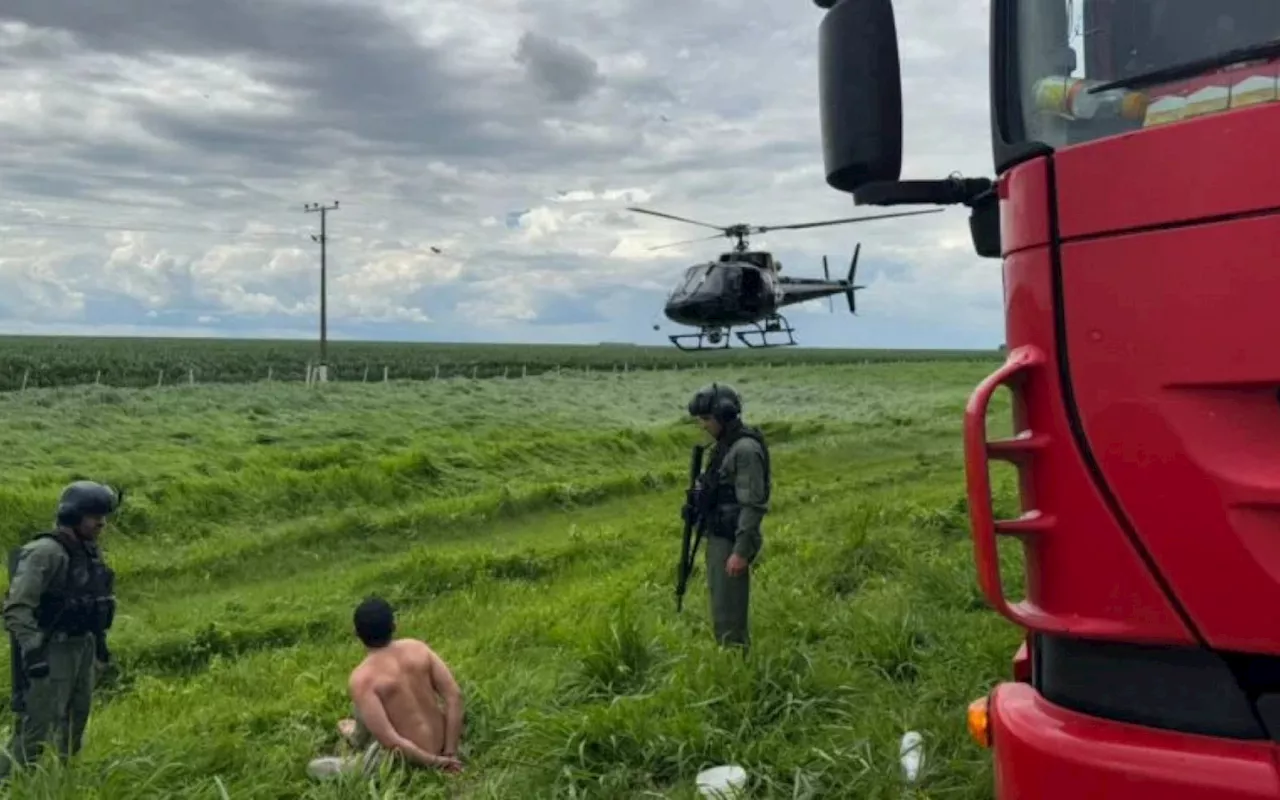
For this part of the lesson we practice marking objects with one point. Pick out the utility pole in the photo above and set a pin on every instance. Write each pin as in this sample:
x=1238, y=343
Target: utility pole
x=324, y=321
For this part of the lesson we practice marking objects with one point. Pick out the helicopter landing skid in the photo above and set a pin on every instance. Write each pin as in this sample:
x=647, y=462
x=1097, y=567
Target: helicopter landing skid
x=775, y=324
x=714, y=336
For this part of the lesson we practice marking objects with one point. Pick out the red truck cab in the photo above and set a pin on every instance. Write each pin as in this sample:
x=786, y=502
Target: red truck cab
x=1136, y=213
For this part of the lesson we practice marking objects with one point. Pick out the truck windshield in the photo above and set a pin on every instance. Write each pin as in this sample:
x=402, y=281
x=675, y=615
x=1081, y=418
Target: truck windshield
x=1066, y=47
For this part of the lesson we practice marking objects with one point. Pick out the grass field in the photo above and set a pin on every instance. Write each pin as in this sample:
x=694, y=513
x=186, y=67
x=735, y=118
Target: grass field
x=529, y=531
x=34, y=362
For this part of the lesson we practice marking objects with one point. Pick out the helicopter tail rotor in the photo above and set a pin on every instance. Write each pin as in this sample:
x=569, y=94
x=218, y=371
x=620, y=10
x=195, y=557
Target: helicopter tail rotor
x=826, y=274
x=853, y=269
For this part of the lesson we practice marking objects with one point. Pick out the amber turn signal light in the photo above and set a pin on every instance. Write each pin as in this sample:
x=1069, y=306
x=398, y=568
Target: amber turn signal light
x=980, y=722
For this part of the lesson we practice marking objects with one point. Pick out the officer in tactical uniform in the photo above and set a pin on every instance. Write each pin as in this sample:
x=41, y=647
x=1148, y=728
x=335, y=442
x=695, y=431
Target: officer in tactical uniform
x=58, y=608
x=734, y=495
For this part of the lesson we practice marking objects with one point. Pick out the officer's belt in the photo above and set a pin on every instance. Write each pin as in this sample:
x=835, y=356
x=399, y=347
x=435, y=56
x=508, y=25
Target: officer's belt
x=63, y=636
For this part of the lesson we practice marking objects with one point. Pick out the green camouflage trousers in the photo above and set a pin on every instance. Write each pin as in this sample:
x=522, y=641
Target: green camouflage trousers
x=730, y=596
x=57, y=705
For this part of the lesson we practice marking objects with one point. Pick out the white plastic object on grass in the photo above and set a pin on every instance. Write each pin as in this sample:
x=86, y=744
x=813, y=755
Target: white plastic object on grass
x=722, y=783
x=911, y=755
x=324, y=767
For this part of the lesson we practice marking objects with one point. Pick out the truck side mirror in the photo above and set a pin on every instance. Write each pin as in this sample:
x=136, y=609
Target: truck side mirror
x=860, y=91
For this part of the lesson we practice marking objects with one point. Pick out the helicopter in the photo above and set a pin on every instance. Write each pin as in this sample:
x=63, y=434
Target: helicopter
x=743, y=288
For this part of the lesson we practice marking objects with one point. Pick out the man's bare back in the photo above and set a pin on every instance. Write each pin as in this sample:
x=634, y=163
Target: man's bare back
x=397, y=692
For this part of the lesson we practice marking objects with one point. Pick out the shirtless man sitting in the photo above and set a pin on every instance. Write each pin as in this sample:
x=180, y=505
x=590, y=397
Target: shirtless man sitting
x=397, y=691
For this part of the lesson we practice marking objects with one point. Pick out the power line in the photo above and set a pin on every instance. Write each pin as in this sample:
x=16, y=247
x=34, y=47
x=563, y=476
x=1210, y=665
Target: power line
x=130, y=227
x=149, y=227
x=323, y=238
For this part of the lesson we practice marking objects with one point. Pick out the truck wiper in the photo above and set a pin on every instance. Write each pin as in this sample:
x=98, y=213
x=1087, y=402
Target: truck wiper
x=1192, y=68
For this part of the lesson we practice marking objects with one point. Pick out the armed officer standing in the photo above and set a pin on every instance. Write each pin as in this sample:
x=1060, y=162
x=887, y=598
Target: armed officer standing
x=58, y=608
x=734, y=497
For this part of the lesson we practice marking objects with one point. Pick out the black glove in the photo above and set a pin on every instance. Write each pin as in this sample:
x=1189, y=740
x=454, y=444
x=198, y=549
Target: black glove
x=37, y=663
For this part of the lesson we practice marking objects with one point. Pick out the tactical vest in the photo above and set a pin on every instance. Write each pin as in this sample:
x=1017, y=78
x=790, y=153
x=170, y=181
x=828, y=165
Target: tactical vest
x=86, y=601
x=720, y=500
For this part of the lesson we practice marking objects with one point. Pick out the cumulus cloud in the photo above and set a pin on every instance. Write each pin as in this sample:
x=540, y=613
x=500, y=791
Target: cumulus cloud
x=562, y=71
x=158, y=155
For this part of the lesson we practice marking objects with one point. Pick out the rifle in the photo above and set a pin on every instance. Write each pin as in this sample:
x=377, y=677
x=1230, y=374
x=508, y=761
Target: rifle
x=692, y=514
x=17, y=670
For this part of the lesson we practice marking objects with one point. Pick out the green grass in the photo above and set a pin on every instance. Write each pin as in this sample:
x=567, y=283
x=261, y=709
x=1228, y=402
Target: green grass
x=528, y=530
x=32, y=361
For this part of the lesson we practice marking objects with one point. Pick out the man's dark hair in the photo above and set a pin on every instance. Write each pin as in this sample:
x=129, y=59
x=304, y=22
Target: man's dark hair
x=375, y=622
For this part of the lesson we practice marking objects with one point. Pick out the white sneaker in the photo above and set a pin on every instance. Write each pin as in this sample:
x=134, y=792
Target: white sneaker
x=325, y=767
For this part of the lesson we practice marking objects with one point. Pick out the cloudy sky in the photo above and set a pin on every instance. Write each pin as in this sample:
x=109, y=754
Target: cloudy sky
x=158, y=154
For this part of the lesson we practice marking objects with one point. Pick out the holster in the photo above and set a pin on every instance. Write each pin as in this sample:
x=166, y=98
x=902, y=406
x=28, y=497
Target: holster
x=722, y=522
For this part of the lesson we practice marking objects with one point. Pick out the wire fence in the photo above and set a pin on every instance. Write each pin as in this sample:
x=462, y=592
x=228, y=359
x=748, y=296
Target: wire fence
x=309, y=373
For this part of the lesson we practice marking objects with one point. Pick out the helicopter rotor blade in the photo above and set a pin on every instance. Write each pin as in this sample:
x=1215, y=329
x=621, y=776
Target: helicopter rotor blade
x=686, y=241
x=720, y=228
x=798, y=226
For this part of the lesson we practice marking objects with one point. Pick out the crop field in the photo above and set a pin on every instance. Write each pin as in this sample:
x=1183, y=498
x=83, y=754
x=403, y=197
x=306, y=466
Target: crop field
x=529, y=531
x=33, y=362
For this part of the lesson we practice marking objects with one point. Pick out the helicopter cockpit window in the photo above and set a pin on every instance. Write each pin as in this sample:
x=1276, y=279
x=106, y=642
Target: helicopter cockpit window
x=693, y=279
x=714, y=281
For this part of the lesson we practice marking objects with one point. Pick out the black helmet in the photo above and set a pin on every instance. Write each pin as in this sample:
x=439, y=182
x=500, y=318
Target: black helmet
x=716, y=400
x=85, y=497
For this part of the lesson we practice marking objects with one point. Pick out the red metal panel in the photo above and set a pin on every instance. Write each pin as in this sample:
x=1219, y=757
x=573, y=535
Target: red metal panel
x=1083, y=575
x=1215, y=165
x=1022, y=661
x=1024, y=206
x=1173, y=352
